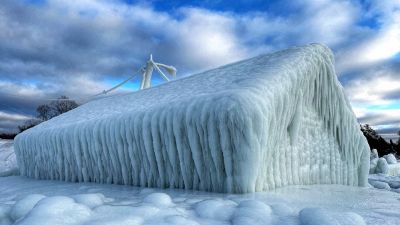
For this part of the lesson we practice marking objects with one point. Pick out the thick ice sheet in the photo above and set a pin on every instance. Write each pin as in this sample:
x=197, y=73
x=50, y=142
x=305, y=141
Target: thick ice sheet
x=38, y=202
x=258, y=124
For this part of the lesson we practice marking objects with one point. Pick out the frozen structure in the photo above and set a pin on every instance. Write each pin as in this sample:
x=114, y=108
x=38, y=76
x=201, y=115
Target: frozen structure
x=386, y=165
x=265, y=122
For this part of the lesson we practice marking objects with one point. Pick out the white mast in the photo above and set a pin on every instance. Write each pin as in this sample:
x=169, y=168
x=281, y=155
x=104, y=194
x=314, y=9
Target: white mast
x=147, y=72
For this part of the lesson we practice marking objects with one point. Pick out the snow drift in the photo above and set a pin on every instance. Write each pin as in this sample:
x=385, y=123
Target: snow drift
x=265, y=122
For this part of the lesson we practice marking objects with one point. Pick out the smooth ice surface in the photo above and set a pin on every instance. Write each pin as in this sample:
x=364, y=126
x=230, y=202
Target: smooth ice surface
x=8, y=161
x=266, y=122
x=102, y=204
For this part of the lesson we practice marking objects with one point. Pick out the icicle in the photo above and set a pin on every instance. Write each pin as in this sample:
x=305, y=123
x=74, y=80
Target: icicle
x=270, y=121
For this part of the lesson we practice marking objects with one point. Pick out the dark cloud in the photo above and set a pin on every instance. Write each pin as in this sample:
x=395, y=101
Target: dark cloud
x=74, y=47
x=395, y=94
x=379, y=119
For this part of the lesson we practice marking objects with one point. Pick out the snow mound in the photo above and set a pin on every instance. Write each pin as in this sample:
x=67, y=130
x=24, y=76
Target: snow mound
x=8, y=161
x=387, y=164
x=90, y=200
x=4, y=215
x=390, y=159
x=318, y=216
x=266, y=122
x=385, y=181
x=125, y=206
x=372, y=165
x=251, y=212
x=113, y=213
x=382, y=166
x=158, y=199
x=23, y=206
x=216, y=209
x=60, y=210
x=380, y=185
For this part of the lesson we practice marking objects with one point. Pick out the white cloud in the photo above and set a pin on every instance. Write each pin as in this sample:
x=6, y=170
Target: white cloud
x=20, y=90
x=327, y=21
x=382, y=43
x=13, y=116
x=374, y=89
x=70, y=47
x=9, y=121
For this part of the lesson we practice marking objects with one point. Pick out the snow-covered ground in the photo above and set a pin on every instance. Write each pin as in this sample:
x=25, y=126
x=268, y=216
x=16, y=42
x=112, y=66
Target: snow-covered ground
x=41, y=202
x=28, y=201
x=8, y=162
x=382, y=181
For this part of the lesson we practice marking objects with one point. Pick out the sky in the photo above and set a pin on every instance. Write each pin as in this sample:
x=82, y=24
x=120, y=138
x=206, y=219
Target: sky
x=50, y=48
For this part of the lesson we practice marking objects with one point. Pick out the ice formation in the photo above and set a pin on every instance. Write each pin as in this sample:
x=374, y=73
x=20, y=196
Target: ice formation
x=390, y=159
x=386, y=165
x=265, y=122
x=8, y=161
x=318, y=216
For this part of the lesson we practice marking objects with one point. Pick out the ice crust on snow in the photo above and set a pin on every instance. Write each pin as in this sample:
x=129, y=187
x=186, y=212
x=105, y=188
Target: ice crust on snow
x=266, y=122
x=128, y=205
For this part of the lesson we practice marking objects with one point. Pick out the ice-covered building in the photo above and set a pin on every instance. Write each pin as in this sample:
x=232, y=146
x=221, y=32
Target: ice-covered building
x=265, y=122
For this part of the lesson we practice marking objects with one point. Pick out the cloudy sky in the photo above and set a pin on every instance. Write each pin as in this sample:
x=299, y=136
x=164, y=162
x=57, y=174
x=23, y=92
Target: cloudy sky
x=79, y=48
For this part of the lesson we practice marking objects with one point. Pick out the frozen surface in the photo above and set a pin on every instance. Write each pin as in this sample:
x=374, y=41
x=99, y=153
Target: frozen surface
x=382, y=166
x=387, y=164
x=8, y=161
x=29, y=201
x=318, y=216
x=394, y=169
x=385, y=181
x=379, y=184
x=390, y=159
x=266, y=122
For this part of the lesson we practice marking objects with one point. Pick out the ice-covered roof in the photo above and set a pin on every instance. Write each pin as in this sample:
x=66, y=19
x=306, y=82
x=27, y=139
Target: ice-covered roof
x=268, y=71
x=265, y=122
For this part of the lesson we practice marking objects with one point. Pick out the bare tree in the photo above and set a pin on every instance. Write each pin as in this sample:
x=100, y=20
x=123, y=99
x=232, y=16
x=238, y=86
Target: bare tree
x=28, y=124
x=63, y=104
x=47, y=111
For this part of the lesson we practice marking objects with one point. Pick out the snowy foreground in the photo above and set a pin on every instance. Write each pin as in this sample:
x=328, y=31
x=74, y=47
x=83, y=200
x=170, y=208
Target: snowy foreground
x=29, y=201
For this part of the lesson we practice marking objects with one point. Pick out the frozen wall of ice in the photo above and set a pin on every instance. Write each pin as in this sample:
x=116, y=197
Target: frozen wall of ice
x=254, y=125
